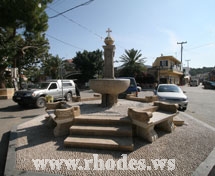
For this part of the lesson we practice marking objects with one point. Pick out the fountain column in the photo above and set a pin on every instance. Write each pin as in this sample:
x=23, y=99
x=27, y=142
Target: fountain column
x=109, y=87
x=109, y=51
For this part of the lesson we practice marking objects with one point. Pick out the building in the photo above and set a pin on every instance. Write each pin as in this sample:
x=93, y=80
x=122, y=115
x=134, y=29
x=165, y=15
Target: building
x=167, y=69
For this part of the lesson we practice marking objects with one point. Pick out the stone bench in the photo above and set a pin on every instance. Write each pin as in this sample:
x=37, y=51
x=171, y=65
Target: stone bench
x=64, y=119
x=78, y=98
x=61, y=115
x=145, y=119
x=51, y=107
x=56, y=105
x=146, y=99
x=6, y=93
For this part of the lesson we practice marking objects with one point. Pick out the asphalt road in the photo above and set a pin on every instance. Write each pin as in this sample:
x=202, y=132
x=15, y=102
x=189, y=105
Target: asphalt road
x=10, y=116
x=201, y=106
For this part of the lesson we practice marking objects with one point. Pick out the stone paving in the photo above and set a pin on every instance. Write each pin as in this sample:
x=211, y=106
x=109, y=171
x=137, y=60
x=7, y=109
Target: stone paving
x=189, y=145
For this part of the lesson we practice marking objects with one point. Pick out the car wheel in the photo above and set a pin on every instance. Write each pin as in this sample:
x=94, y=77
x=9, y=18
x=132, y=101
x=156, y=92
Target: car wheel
x=184, y=108
x=41, y=102
x=68, y=97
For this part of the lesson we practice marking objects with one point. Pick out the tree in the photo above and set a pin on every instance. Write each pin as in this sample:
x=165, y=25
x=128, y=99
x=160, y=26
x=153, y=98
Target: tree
x=22, y=39
x=203, y=70
x=133, y=64
x=51, y=66
x=34, y=73
x=89, y=63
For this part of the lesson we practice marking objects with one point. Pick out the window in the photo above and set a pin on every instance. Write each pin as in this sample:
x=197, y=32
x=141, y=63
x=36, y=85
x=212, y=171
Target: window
x=67, y=84
x=53, y=86
x=164, y=63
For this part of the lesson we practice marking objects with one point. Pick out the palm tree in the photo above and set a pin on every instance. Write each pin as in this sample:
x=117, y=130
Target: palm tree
x=133, y=64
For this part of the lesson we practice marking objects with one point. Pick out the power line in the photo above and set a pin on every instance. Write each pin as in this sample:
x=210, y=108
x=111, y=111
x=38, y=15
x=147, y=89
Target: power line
x=80, y=25
x=66, y=43
x=200, y=46
x=61, y=13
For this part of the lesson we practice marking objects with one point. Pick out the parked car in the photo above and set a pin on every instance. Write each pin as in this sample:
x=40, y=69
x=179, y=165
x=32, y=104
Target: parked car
x=139, y=88
x=132, y=89
x=209, y=84
x=173, y=94
x=58, y=89
x=194, y=82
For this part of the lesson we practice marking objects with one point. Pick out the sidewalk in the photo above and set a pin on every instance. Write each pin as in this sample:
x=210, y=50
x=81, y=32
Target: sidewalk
x=191, y=145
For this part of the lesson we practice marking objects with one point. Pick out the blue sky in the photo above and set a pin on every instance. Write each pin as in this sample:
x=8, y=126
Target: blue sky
x=152, y=26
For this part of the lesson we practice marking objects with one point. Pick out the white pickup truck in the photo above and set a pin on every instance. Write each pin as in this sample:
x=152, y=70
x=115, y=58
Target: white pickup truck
x=59, y=89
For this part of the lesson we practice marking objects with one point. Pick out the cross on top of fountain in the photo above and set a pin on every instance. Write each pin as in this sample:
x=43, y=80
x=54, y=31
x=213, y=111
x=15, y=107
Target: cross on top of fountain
x=109, y=40
x=109, y=31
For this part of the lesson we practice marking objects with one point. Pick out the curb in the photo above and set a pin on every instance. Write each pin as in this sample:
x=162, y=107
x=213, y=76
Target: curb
x=10, y=166
x=207, y=166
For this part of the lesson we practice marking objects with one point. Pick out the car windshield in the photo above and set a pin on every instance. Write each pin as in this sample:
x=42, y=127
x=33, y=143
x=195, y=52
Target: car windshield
x=168, y=88
x=42, y=85
x=132, y=83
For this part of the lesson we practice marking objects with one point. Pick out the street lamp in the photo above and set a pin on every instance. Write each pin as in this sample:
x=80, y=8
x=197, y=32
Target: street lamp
x=61, y=76
x=22, y=58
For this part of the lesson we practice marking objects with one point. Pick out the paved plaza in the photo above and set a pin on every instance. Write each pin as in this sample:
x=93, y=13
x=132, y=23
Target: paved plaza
x=190, y=145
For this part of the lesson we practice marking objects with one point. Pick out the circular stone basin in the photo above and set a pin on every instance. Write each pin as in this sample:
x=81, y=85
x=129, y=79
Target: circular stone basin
x=109, y=86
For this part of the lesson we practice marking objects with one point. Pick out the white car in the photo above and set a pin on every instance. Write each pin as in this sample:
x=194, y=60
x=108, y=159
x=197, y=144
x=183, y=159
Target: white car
x=139, y=88
x=173, y=94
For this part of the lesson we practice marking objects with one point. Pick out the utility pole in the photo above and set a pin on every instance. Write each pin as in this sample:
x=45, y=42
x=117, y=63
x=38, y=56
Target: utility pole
x=187, y=72
x=187, y=63
x=181, y=43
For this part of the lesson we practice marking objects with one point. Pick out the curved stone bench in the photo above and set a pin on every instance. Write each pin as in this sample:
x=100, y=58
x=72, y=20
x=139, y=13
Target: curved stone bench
x=146, y=99
x=145, y=119
x=64, y=119
x=61, y=116
x=56, y=105
x=51, y=107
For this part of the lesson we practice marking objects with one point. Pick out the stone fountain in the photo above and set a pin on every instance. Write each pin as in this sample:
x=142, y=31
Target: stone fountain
x=109, y=87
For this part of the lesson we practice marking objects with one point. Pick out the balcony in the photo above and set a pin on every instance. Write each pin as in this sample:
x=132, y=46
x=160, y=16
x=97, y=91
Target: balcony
x=173, y=69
